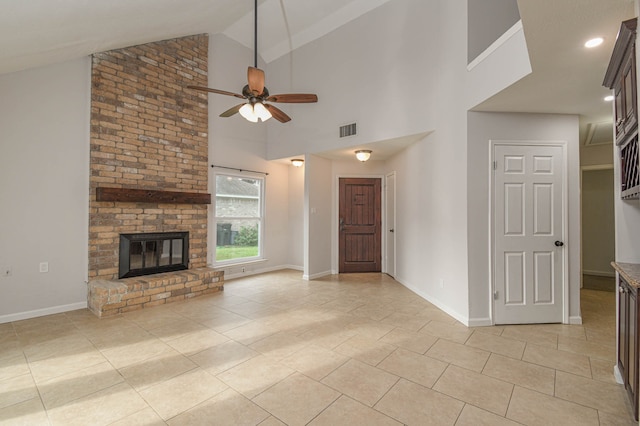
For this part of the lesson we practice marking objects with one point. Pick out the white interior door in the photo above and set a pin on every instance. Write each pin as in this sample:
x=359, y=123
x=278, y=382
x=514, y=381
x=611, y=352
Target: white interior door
x=390, y=212
x=528, y=233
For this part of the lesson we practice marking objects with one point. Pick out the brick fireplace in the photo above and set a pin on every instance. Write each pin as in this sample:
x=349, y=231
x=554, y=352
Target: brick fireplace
x=148, y=132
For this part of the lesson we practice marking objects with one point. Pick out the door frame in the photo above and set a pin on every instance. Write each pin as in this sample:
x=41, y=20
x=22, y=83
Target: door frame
x=565, y=219
x=335, y=234
x=391, y=240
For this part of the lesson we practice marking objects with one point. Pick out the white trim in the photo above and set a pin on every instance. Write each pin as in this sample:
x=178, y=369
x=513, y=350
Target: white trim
x=575, y=320
x=516, y=28
x=384, y=231
x=258, y=271
x=617, y=375
x=316, y=276
x=609, y=274
x=335, y=235
x=565, y=219
x=596, y=167
x=213, y=229
x=480, y=322
x=42, y=312
x=442, y=306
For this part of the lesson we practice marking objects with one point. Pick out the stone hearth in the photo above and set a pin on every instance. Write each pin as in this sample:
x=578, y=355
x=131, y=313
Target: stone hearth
x=108, y=297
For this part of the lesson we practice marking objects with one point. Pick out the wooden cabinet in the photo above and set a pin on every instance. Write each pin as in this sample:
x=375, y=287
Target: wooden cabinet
x=621, y=77
x=628, y=339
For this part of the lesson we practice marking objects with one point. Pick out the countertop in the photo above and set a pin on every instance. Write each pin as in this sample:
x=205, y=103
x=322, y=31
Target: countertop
x=629, y=271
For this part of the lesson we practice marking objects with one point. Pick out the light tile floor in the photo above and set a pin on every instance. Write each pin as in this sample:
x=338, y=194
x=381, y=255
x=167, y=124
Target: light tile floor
x=355, y=349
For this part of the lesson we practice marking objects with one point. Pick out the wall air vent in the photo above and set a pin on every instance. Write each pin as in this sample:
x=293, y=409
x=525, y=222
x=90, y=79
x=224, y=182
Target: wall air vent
x=348, y=130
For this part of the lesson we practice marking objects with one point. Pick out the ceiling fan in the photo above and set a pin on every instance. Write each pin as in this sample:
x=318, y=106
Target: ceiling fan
x=256, y=108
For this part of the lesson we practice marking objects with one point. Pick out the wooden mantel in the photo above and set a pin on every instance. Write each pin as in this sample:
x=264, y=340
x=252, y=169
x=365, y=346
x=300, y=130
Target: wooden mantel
x=129, y=195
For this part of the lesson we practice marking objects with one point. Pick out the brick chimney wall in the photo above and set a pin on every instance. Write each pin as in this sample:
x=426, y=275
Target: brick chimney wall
x=148, y=132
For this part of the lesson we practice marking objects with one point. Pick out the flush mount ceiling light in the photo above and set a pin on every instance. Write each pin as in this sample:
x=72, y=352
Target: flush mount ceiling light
x=363, y=154
x=297, y=162
x=594, y=42
x=609, y=98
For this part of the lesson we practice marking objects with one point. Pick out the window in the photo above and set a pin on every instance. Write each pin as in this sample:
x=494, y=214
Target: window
x=238, y=217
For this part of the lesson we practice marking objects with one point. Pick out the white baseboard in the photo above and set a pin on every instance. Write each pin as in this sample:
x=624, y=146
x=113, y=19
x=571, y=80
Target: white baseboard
x=480, y=322
x=461, y=318
x=609, y=274
x=42, y=312
x=259, y=271
x=575, y=320
x=294, y=267
x=316, y=276
x=617, y=375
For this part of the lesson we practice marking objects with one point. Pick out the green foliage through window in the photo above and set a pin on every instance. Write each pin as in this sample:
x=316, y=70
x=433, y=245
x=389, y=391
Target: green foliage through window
x=247, y=236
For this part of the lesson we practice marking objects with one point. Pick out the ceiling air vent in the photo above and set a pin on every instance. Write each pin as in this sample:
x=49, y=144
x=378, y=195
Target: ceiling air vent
x=347, y=130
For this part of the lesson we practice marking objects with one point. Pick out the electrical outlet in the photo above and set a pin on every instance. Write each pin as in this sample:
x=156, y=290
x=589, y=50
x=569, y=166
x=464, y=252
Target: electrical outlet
x=243, y=269
x=6, y=271
x=44, y=266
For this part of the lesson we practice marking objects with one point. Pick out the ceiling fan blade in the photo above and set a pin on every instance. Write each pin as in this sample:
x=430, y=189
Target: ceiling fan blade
x=232, y=111
x=255, y=76
x=220, y=92
x=277, y=113
x=294, y=98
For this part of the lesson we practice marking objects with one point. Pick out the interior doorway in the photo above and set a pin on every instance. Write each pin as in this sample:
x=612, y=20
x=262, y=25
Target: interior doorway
x=529, y=222
x=360, y=225
x=598, y=228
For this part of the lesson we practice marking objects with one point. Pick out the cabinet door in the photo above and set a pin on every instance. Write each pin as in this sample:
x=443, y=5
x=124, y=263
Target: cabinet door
x=623, y=335
x=632, y=348
x=619, y=110
x=629, y=95
x=631, y=332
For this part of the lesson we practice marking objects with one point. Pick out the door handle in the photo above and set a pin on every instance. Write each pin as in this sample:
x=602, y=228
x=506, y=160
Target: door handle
x=559, y=243
x=341, y=224
x=391, y=230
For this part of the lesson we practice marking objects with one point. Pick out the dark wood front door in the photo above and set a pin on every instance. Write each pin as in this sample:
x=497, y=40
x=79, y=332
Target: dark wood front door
x=360, y=225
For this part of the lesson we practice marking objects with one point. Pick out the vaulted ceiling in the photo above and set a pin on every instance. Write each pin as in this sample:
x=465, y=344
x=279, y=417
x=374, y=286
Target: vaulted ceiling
x=566, y=77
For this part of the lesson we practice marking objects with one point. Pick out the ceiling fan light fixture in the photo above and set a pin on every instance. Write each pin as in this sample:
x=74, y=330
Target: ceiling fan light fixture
x=363, y=154
x=247, y=112
x=261, y=112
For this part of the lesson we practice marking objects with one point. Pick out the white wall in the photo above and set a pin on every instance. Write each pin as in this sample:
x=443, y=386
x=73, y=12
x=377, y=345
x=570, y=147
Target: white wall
x=484, y=127
x=318, y=213
x=44, y=188
x=295, y=230
x=598, y=222
x=488, y=20
x=398, y=70
x=596, y=155
x=379, y=70
x=499, y=67
x=235, y=142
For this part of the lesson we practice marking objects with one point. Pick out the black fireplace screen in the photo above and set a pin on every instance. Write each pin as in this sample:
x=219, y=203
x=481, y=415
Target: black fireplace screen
x=152, y=253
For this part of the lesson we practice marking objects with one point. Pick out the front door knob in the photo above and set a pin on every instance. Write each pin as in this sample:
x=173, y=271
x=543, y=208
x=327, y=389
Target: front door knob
x=559, y=243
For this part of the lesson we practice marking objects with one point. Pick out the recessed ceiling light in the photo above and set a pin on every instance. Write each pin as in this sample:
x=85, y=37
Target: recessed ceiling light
x=594, y=42
x=608, y=98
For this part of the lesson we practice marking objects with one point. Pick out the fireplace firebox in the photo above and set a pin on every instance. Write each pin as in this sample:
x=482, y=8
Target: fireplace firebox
x=153, y=253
